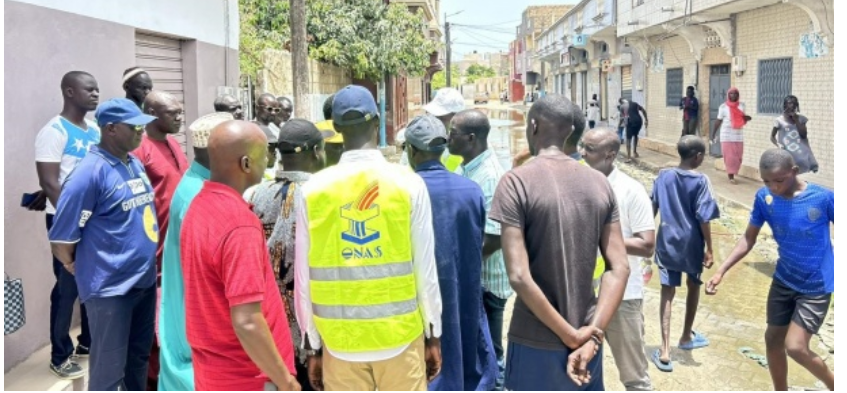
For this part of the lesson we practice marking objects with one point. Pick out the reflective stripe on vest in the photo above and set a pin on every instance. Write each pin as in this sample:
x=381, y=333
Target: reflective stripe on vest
x=362, y=282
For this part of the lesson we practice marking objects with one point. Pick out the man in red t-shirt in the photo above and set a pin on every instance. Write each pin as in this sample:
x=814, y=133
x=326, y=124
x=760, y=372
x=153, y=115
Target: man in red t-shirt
x=165, y=163
x=235, y=318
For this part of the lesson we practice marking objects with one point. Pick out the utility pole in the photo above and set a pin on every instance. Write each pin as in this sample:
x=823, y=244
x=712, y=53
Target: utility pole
x=300, y=60
x=447, y=41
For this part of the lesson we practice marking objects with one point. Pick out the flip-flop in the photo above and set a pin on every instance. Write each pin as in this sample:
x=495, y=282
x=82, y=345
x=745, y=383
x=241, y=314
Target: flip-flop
x=697, y=341
x=748, y=353
x=666, y=367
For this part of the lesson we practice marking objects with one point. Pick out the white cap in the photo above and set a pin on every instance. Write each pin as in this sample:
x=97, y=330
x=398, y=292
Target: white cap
x=447, y=100
x=202, y=128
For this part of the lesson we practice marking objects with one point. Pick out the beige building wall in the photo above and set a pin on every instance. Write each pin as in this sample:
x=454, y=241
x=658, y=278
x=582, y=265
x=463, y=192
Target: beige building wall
x=666, y=121
x=323, y=78
x=774, y=32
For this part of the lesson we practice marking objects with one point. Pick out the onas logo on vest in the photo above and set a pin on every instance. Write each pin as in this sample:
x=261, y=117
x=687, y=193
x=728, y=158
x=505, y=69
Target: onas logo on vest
x=358, y=213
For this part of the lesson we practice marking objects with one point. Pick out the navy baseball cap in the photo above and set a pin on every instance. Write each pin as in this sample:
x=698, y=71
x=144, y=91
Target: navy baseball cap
x=121, y=110
x=353, y=98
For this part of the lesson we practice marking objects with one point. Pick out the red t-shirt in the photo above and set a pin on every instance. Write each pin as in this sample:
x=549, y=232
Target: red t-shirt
x=225, y=263
x=165, y=163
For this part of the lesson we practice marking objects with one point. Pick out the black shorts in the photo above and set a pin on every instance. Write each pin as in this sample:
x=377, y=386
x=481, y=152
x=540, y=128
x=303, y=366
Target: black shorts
x=632, y=130
x=786, y=305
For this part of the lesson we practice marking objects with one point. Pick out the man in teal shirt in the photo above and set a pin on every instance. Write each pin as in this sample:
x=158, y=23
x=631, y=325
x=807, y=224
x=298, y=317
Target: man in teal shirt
x=176, y=371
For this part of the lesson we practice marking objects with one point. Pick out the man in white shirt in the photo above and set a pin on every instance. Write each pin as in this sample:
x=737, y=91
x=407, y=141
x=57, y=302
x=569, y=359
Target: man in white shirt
x=59, y=146
x=365, y=276
x=625, y=332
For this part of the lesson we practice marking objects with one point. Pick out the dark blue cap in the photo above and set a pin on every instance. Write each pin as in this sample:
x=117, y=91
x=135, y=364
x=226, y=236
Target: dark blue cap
x=121, y=110
x=353, y=98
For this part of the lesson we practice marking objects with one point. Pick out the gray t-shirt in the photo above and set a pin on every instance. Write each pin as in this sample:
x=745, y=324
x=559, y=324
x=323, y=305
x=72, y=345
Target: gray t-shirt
x=562, y=207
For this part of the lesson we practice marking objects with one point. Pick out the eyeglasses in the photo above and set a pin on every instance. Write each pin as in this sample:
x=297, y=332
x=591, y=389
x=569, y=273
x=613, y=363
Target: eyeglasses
x=269, y=109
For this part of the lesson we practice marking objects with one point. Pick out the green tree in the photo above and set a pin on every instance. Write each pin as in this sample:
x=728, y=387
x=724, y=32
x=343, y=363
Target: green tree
x=439, y=80
x=366, y=36
x=476, y=71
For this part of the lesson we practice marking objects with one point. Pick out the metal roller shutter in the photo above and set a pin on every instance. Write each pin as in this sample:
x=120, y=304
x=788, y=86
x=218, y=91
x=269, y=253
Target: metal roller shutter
x=626, y=82
x=161, y=57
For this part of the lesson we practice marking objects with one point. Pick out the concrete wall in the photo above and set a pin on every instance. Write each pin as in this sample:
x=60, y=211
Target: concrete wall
x=41, y=44
x=774, y=32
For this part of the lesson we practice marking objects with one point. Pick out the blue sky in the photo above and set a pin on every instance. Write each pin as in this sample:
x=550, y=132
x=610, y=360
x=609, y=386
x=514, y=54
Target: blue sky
x=498, y=18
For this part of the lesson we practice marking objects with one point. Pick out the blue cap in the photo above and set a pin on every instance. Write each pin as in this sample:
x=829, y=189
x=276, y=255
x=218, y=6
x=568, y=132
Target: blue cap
x=121, y=110
x=353, y=98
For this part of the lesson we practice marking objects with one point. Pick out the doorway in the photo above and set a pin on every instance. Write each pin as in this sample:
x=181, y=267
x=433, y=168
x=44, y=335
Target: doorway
x=719, y=81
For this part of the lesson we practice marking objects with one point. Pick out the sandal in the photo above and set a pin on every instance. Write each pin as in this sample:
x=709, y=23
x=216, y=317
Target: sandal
x=656, y=358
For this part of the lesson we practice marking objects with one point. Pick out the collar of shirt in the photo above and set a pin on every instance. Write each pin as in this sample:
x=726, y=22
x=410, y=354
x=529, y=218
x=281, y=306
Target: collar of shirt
x=477, y=162
x=296, y=177
x=109, y=157
x=223, y=189
x=613, y=176
x=432, y=165
x=361, y=155
x=200, y=170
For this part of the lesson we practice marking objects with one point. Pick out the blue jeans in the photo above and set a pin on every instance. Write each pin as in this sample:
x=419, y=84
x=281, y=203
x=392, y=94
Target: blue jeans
x=62, y=300
x=122, y=329
x=542, y=369
x=620, y=134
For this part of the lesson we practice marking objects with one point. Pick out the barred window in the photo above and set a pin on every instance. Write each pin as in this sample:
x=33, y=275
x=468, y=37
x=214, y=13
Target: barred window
x=774, y=84
x=673, y=86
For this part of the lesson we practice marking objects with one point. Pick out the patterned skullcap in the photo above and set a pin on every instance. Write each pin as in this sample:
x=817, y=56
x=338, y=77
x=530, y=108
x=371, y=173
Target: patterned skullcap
x=202, y=128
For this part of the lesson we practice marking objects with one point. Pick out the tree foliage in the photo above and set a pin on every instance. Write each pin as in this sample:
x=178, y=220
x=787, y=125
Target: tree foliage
x=366, y=36
x=476, y=71
x=439, y=80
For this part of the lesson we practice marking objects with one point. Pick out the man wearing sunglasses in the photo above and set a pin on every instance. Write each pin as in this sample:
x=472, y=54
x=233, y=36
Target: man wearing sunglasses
x=106, y=220
x=267, y=111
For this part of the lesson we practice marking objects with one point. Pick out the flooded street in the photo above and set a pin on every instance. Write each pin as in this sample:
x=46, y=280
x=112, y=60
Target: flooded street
x=733, y=320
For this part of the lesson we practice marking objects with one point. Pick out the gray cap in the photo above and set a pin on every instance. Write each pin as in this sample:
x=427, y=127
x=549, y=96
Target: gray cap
x=426, y=133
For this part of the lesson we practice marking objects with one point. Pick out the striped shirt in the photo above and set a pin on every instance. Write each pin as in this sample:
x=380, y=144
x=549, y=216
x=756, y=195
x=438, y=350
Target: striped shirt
x=486, y=171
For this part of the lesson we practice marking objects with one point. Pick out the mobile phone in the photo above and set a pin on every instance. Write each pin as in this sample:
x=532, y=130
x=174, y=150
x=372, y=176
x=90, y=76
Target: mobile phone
x=28, y=198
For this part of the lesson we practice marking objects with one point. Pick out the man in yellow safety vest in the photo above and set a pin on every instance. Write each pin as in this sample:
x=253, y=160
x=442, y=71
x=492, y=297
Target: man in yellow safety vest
x=366, y=286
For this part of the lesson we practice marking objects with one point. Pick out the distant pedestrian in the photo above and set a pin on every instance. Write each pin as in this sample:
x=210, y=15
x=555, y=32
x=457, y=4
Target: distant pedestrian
x=800, y=215
x=458, y=211
x=625, y=332
x=593, y=115
x=690, y=107
x=684, y=198
x=137, y=84
x=302, y=154
x=636, y=117
x=105, y=233
x=469, y=139
x=555, y=213
x=287, y=109
x=622, y=115
x=731, y=120
x=229, y=104
x=59, y=146
x=177, y=369
x=234, y=315
x=790, y=133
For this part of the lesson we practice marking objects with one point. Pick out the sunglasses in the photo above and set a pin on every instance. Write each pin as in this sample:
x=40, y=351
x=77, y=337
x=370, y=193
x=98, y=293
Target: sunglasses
x=271, y=110
x=131, y=127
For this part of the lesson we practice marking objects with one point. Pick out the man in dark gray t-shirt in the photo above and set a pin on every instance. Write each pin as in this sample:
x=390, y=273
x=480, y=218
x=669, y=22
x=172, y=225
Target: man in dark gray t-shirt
x=555, y=213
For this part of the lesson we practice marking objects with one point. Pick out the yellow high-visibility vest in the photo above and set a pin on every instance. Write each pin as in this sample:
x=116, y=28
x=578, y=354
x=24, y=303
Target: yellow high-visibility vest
x=451, y=162
x=361, y=276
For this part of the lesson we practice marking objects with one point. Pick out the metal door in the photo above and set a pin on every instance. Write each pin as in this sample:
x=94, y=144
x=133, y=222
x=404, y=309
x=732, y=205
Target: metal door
x=718, y=85
x=161, y=57
x=626, y=82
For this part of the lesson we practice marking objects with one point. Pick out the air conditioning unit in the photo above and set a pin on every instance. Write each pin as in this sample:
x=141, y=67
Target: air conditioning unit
x=739, y=65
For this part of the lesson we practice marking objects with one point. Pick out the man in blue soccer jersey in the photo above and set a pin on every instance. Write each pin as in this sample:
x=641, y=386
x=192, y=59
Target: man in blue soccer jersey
x=105, y=233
